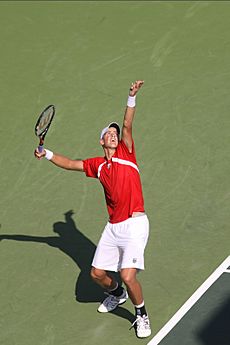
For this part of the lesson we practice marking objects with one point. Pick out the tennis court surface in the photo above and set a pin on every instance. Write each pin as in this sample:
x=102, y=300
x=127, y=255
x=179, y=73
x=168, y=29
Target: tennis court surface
x=82, y=56
x=204, y=318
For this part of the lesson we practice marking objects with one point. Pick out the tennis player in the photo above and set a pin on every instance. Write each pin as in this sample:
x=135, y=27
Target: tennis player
x=123, y=241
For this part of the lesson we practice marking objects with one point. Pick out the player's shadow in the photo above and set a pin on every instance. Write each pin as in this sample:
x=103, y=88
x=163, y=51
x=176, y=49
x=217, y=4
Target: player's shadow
x=80, y=249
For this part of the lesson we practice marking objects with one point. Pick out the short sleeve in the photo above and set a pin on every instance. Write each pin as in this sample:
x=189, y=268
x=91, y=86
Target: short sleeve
x=90, y=167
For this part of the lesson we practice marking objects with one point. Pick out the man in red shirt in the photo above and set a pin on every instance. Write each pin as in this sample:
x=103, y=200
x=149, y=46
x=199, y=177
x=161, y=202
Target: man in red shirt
x=122, y=244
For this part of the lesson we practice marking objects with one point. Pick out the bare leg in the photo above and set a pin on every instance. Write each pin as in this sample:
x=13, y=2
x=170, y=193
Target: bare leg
x=103, y=278
x=128, y=276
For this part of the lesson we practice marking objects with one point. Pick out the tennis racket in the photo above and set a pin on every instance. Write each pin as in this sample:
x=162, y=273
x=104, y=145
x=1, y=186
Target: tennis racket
x=43, y=124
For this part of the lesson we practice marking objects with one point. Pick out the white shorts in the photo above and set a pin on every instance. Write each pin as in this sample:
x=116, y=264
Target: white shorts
x=122, y=245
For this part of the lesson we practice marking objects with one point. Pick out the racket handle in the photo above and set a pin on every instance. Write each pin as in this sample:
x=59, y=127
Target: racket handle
x=40, y=148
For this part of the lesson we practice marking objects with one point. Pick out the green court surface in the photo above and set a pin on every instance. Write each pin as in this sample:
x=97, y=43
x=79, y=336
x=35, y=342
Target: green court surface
x=82, y=57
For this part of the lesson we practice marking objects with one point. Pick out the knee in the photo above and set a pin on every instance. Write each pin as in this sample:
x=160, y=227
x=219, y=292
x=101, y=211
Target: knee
x=97, y=274
x=128, y=277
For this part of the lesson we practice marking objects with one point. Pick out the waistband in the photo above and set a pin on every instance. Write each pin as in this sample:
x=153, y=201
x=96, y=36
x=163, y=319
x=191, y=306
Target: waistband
x=138, y=214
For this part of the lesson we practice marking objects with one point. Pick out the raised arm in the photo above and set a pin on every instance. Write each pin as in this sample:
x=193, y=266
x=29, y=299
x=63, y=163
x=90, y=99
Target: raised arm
x=129, y=114
x=60, y=161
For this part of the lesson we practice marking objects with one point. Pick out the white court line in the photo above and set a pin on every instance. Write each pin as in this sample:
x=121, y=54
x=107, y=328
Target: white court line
x=190, y=302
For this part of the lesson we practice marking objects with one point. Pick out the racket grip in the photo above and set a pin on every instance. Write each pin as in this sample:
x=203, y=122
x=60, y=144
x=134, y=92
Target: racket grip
x=40, y=148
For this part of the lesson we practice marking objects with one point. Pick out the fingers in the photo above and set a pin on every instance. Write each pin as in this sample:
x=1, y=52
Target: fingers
x=135, y=87
x=39, y=155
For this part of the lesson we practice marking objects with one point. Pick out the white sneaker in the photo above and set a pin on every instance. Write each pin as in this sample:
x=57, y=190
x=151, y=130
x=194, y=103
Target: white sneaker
x=111, y=302
x=142, y=326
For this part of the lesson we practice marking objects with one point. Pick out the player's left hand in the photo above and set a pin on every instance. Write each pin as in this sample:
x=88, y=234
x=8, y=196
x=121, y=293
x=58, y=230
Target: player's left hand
x=135, y=87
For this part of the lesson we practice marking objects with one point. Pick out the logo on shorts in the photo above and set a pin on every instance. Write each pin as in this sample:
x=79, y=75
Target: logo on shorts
x=134, y=260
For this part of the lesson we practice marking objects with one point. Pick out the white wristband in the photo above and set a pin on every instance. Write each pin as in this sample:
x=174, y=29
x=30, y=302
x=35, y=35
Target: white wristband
x=131, y=102
x=49, y=154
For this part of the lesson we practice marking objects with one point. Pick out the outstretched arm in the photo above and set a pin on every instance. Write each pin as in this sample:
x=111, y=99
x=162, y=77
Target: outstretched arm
x=59, y=160
x=129, y=114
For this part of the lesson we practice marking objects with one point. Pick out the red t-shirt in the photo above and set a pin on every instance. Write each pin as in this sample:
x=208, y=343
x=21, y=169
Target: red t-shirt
x=121, y=182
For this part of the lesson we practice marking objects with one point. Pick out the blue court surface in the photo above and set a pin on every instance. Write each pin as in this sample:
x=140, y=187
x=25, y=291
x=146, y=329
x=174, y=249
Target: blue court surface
x=204, y=318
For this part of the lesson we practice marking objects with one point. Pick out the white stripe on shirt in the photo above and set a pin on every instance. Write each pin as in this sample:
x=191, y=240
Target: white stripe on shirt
x=125, y=162
x=120, y=161
x=99, y=169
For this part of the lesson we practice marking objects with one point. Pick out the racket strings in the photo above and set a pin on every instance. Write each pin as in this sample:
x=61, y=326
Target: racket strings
x=44, y=121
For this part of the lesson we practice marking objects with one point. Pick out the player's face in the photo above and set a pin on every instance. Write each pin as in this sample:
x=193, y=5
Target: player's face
x=110, y=138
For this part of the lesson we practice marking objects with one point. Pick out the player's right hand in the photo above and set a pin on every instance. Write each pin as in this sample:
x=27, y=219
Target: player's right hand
x=39, y=155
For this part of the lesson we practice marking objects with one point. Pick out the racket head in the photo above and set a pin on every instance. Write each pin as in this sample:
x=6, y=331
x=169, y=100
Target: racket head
x=44, y=121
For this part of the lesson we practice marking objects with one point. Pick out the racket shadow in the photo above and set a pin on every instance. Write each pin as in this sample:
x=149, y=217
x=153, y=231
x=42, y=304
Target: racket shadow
x=78, y=247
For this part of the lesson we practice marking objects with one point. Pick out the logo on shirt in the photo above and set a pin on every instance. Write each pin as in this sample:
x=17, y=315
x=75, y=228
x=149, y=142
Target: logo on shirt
x=134, y=260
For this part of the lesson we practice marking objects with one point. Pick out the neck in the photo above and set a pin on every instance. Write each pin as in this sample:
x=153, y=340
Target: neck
x=109, y=153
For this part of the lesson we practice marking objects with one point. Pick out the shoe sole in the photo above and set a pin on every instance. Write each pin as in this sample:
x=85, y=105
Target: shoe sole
x=142, y=337
x=108, y=311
